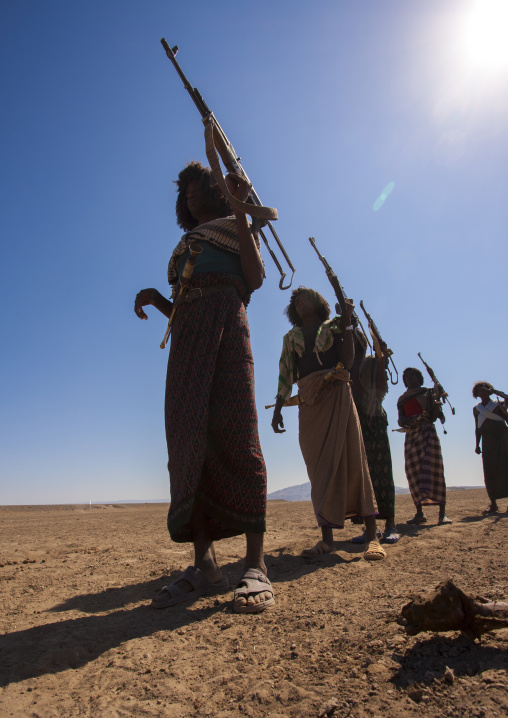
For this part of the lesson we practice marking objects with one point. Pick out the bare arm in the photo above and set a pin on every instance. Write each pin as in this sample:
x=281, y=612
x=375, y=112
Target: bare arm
x=153, y=297
x=477, y=432
x=250, y=259
x=382, y=377
x=347, y=353
x=501, y=411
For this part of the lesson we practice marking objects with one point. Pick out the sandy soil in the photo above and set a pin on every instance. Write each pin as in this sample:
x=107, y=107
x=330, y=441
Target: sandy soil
x=78, y=637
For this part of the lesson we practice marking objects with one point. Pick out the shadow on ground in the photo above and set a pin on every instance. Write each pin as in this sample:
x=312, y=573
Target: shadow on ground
x=429, y=658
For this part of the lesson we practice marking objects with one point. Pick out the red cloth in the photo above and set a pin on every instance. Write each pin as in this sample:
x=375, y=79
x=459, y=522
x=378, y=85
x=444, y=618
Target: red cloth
x=412, y=407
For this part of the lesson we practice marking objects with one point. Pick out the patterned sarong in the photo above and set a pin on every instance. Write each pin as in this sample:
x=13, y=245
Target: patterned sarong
x=379, y=458
x=211, y=419
x=332, y=447
x=424, y=465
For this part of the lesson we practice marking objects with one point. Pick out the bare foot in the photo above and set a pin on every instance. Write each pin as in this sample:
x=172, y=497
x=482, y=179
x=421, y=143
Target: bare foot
x=191, y=584
x=318, y=550
x=254, y=593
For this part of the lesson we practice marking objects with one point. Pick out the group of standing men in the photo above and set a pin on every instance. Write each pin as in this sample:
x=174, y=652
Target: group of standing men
x=343, y=426
x=216, y=467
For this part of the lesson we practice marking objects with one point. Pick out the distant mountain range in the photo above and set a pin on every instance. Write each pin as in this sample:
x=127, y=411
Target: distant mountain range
x=302, y=492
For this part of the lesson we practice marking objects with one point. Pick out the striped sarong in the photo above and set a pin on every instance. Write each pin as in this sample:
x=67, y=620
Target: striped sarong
x=424, y=465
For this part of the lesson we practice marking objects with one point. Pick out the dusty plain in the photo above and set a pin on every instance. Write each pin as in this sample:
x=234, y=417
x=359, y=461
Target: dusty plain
x=78, y=636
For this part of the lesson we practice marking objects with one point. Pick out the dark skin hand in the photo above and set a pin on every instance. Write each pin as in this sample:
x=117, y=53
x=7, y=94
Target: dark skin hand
x=153, y=297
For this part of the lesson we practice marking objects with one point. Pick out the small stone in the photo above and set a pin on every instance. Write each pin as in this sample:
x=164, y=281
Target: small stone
x=449, y=676
x=416, y=694
x=328, y=708
x=354, y=673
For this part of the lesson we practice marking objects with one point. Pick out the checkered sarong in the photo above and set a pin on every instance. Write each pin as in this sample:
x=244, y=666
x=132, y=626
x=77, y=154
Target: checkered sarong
x=424, y=465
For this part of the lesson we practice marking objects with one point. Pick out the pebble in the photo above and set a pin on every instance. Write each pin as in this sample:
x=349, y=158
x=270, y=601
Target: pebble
x=449, y=676
x=328, y=708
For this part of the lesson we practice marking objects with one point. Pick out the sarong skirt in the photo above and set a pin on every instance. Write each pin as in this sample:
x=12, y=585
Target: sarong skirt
x=332, y=447
x=211, y=420
x=495, y=458
x=379, y=458
x=424, y=465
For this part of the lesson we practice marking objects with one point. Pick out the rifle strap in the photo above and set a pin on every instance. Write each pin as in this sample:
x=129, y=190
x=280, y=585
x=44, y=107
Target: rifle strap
x=261, y=212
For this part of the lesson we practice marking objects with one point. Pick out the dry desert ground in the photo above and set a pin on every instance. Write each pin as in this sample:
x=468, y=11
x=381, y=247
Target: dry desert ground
x=78, y=636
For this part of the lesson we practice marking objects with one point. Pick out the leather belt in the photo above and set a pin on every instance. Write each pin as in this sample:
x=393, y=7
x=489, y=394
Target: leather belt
x=199, y=292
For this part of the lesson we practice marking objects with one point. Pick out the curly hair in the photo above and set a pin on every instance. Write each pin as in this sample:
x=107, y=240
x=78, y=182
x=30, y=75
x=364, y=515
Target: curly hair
x=482, y=384
x=322, y=306
x=195, y=171
x=416, y=371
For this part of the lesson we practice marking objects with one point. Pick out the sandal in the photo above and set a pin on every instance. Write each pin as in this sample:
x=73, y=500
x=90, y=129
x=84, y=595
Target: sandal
x=318, y=550
x=374, y=551
x=390, y=536
x=417, y=520
x=201, y=586
x=444, y=520
x=253, y=582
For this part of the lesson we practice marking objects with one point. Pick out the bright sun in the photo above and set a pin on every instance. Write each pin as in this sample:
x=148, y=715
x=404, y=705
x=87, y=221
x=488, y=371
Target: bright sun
x=486, y=34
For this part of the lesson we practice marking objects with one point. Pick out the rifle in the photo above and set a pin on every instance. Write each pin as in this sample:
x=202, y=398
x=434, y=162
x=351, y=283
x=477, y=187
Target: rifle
x=376, y=340
x=295, y=400
x=441, y=394
x=497, y=392
x=338, y=289
x=215, y=137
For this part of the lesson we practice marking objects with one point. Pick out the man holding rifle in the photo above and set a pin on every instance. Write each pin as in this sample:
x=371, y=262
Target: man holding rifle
x=418, y=410
x=370, y=386
x=217, y=472
x=318, y=353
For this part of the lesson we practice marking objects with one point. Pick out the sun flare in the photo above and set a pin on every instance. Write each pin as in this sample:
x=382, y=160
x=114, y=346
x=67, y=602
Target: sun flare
x=486, y=34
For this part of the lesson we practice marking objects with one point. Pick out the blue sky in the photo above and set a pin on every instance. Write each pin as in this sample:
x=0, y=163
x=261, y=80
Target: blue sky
x=328, y=104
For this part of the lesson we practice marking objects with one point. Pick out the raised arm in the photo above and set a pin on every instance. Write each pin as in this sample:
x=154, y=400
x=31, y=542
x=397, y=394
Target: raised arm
x=250, y=259
x=382, y=377
x=347, y=354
